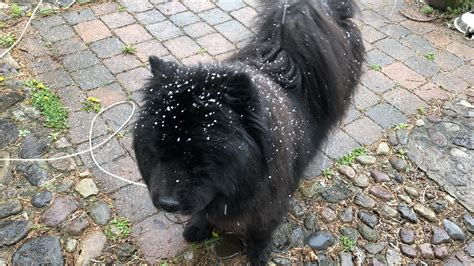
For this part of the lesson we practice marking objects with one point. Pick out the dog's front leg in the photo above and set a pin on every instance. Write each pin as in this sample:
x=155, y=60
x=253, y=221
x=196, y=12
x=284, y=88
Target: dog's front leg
x=258, y=245
x=197, y=229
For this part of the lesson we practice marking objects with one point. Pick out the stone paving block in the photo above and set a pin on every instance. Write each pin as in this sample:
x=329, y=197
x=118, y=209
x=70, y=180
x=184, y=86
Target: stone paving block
x=376, y=81
x=351, y=115
x=392, y=14
x=214, y=16
x=386, y=115
x=418, y=44
x=377, y=57
x=246, y=16
x=93, y=77
x=403, y=75
x=462, y=50
x=184, y=18
x=370, y=34
x=117, y=20
x=198, y=6
x=107, y=47
x=230, y=5
x=430, y=92
x=375, y=20
x=215, y=44
x=152, y=47
x=104, y=154
x=448, y=61
x=133, y=34
x=137, y=5
x=182, y=47
x=198, y=29
x=253, y=3
x=224, y=56
x=92, y=31
x=56, y=79
x=450, y=82
x=422, y=65
x=365, y=98
x=80, y=60
x=72, y=97
x=109, y=94
x=234, y=31
x=48, y=22
x=418, y=27
x=319, y=163
x=134, y=79
x=120, y=63
x=130, y=206
x=171, y=8
x=466, y=72
x=404, y=101
x=438, y=38
x=365, y=131
x=117, y=116
x=77, y=16
x=198, y=58
x=339, y=144
x=80, y=122
x=44, y=64
x=32, y=46
x=150, y=17
x=164, y=30
x=68, y=46
x=395, y=31
x=105, y=8
x=394, y=48
x=58, y=33
x=124, y=167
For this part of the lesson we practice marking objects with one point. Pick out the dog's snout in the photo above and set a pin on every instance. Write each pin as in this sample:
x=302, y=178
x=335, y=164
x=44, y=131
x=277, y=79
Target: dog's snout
x=168, y=204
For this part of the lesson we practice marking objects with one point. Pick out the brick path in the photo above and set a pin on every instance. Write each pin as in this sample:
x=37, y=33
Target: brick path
x=79, y=53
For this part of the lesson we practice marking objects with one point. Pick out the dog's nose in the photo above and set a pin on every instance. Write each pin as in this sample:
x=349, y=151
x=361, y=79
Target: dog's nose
x=168, y=204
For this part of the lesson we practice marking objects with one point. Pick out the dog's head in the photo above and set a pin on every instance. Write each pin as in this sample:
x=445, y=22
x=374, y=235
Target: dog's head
x=200, y=135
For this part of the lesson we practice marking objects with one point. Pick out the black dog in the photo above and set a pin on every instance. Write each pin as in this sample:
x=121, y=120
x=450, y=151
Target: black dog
x=228, y=142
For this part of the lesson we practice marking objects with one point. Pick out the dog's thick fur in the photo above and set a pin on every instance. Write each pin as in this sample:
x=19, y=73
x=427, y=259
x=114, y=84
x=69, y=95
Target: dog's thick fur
x=228, y=142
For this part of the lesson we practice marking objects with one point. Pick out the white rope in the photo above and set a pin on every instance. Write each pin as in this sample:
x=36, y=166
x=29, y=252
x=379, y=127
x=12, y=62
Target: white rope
x=91, y=148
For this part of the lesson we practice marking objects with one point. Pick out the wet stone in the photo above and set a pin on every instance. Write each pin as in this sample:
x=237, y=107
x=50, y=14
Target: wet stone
x=469, y=222
x=408, y=251
x=379, y=177
x=412, y=192
x=381, y=192
x=439, y=205
x=328, y=215
x=350, y=233
x=296, y=209
x=321, y=240
x=368, y=218
x=383, y=149
x=362, y=181
x=347, y=171
x=453, y=230
x=100, y=212
x=346, y=215
x=440, y=236
x=87, y=187
x=398, y=164
x=426, y=251
x=367, y=233
x=8, y=132
x=375, y=248
x=407, y=236
x=33, y=251
x=366, y=159
x=11, y=207
x=441, y=252
x=12, y=231
x=388, y=211
x=41, y=199
x=425, y=212
x=77, y=225
x=59, y=210
x=407, y=213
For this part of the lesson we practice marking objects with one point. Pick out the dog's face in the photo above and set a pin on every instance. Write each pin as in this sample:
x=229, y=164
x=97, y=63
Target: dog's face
x=199, y=132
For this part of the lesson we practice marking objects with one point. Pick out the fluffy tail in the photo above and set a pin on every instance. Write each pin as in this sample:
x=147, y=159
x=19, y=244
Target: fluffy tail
x=311, y=48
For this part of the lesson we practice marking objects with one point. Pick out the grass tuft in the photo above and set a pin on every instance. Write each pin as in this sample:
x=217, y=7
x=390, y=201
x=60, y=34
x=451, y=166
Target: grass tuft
x=129, y=49
x=350, y=158
x=376, y=67
x=347, y=244
x=7, y=40
x=118, y=229
x=92, y=104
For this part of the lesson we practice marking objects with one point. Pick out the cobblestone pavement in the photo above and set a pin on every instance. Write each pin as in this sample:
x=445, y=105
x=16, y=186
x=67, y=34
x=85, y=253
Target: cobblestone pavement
x=376, y=207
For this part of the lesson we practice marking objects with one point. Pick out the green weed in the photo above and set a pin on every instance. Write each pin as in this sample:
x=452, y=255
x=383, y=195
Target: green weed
x=202, y=51
x=23, y=132
x=350, y=158
x=400, y=126
x=117, y=229
x=375, y=67
x=91, y=104
x=426, y=9
x=430, y=56
x=328, y=173
x=44, y=12
x=16, y=11
x=421, y=110
x=129, y=49
x=121, y=9
x=7, y=40
x=347, y=244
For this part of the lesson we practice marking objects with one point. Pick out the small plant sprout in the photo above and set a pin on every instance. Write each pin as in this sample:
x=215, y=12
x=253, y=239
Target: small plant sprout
x=328, y=173
x=202, y=51
x=92, y=104
x=430, y=56
x=23, y=132
x=122, y=9
x=54, y=136
x=347, y=244
x=350, y=158
x=421, y=110
x=7, y=40
x=16, y=11
x=400, y=126
x=2, y=78
x=129, y=49
x=44, y=12
x=376, y=67
x=118, y=229
x=426, y=9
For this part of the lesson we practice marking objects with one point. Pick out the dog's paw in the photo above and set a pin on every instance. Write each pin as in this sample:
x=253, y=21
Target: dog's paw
x=193, y=233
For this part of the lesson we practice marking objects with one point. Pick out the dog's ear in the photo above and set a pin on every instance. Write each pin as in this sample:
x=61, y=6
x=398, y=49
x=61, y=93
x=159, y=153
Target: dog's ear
x=163, y=70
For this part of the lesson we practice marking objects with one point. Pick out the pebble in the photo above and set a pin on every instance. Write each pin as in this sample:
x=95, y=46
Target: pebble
x=11, y=207
x=405, y=198
x=398, y=164
x=420, y=123
x=59, y=210
x=381, y=192
x=364, y=201
x=453, y=230
x=407, y=236
x=100, y=212
x=295, y=208
x=62, y=143
x=379, y=177
x=328, y=215
x=91, y=247
x=346, y=215
x=383, y=149
x=425, y=212
x=407, y=213
x=426, y=251
x=366, y=159
x=430, y=196
x=347, y=171
x=402, y=135
x=368, y=218
x=350, y=233
x=408, y=251
x=388, y=211
x=77, y=225
x=451, y=126
x=399, y=178
x=450, y=199
x=439, y=236
x=12, y=231
x=375, y=248
x=125, y=250
x=469, y=222
x=393, y=257
x=458, y=153
x=392, y=138
x=320, y=240
x=32, y=252
x=439, y=205
x=41, y=199
x=345, y=258
x=310, y=222
x=361, y=181
x=64, y=165
x=87, y=187
x=71, y=245
x=64, y=186
x=411, y=191
x=367, y=233
x=311, y=191
x=441, y=252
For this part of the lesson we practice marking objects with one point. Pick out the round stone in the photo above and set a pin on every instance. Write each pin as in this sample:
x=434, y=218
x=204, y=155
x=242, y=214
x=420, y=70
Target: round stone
x=100, y=212
x=10, y=207
x=453, y=230
x=407, y=213
x=367, y=233
x=346, y=215
x=405, y=198
x=368, y=218
x=407, y=236
x=328, y=215
x=388, y=211
x=392, y=138
x=41, y=199
x=310, y=222
x=379, y=177
x=12, y=231
x=393, y=257
x=362, y=181
x=438, y=138
x=296, y=209
x=413, y=192
x=350, y=233
x=425, y=212
x=33, y=251
x=375, y=248
x=469, y=222
x=381, y=192
x=439, y=205
x=347, y=171
x=420, y=123
x=383, y=149
x=366, y=159
x=426, y=251
x=320, y=240
x=441, y=252
x=408, y=251
x=440, y=236
x=364, y=201
x=398, y=164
